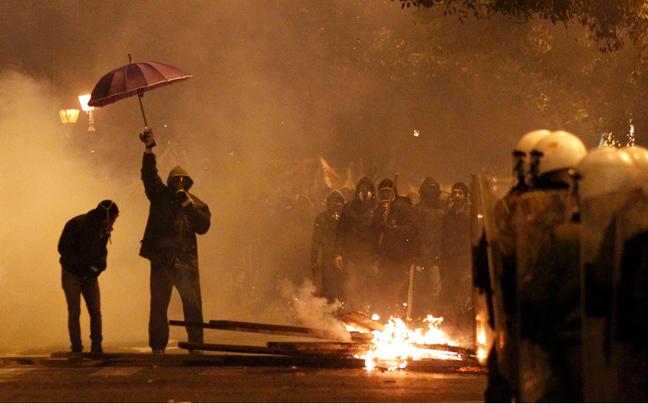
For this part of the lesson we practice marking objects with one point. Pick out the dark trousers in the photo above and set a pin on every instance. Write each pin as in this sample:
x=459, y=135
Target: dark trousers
x=74, y=287
x=187, y=281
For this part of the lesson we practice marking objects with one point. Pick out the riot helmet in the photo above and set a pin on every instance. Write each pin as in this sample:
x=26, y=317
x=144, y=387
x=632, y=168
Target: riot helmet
x=605, y=170
x=639, y=156
x=555, y=152
x=521, y=153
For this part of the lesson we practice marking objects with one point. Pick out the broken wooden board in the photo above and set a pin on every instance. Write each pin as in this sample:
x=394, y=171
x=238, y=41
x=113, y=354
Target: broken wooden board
x=287, y=349
x=286, y=330
x=340, y=349
x=361, y=322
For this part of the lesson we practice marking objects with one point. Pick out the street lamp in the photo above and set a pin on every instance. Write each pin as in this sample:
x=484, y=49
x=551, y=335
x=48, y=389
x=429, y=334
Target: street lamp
x=83, y=100
x=69, y=118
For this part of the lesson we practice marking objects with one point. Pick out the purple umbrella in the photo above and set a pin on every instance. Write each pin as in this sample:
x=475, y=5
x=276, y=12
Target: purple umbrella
x=134, y=78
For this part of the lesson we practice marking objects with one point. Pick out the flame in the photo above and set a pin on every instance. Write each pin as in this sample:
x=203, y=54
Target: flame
x=481, y=353
x=397, y=344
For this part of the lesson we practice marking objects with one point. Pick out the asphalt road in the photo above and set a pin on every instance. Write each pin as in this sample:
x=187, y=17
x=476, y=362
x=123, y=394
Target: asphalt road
x=180, y=377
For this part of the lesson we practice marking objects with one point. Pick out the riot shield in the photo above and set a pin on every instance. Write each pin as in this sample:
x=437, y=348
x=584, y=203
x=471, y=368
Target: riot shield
x=610, y=364
x=629, y=304
x=484, y=332
x=489, y=211
x=536, y=214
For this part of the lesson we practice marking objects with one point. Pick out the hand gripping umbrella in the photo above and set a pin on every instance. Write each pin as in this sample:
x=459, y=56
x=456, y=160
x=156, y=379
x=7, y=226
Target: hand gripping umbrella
x=134, y=78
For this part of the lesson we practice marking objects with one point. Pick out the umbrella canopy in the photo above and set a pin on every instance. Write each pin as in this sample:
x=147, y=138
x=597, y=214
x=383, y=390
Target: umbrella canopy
x=134, y=78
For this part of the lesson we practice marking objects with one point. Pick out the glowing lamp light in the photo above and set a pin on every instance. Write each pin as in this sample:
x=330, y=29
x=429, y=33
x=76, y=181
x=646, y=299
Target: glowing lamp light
x=83, y=100
x=69, y=115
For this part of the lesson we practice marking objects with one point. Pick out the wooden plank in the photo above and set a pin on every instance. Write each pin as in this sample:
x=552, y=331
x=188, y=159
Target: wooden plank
x=339, y=349
x=293, y=331
x=361, y=322
x=447, y=348
x=251, y=349
x=271, y=349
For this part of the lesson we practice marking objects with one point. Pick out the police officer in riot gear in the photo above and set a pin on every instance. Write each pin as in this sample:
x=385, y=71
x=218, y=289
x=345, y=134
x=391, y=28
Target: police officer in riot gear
x=501, y=382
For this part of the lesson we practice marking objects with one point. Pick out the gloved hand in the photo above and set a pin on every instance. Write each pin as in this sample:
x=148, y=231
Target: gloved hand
x=147, y=138
x=183, y=197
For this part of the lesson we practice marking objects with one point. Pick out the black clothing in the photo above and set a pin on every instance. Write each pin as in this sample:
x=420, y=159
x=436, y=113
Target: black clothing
x=83, y=257
x=356, y=235
x=429, y=217
x=400, y=233
x=170, y=244
x=164, y=277
x=356, y=240
x=171, y=229
x=83, y=245
x=399, y=246
x=322, y=248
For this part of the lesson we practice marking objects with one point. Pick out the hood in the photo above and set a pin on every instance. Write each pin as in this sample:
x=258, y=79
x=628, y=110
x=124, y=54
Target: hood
x=429, y=182
x=365, y=180
x=178, y=171
x=335, y=194
x=106, y=209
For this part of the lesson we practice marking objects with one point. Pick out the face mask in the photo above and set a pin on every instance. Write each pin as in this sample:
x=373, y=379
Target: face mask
x=181, y=182
x=334, y=205
x=365, y=195
x=385, y=195
x=430, y=194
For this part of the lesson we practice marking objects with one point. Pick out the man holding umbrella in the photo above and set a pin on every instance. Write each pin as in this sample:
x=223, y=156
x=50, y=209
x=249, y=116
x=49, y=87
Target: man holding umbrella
x=175, y=217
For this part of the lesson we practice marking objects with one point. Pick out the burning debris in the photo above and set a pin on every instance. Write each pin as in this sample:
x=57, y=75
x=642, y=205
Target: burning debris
x=390, y=346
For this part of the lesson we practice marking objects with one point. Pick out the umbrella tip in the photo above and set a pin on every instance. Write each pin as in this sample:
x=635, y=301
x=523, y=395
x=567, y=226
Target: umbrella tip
x=129, y=58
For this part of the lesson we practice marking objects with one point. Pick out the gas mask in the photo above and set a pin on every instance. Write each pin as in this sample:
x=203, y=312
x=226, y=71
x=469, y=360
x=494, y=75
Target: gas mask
x=364, y=193
x=385, y=195
x=180, y=183
x=334, y=207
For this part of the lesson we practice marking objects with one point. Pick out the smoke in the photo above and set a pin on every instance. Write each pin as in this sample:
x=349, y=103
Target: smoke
x=44, y=185
x=312, y=311
x=275, y=84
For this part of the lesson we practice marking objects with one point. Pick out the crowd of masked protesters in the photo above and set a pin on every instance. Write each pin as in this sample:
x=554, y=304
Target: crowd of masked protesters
x=372, y=249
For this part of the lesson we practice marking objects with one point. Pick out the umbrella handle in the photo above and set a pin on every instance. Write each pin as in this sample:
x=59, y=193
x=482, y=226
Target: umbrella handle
x=140, y=94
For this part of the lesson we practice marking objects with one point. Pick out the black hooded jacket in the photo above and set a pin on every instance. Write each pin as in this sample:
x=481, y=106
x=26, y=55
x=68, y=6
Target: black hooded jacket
x=356, y=233
x=170, y=234
x=399, y=231
x=83, y=244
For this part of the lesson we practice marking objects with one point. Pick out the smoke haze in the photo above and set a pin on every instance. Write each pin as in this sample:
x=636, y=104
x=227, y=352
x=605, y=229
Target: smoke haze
x=279, y=80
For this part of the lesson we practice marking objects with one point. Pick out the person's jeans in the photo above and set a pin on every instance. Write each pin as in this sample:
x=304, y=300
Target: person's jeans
x=74, y=287
x=187, y=281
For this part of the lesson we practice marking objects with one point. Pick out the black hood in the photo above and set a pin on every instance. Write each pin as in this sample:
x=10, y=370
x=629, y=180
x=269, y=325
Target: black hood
x=365, y=180
x=429, y=182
